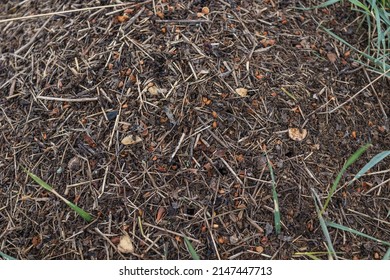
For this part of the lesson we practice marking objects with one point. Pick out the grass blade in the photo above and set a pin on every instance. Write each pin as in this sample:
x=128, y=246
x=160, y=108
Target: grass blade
x=375, y=160
x=344, y=228
x=39, y=181
x=191, y=249
x=324, y=228
x=360, y=5
x=275, y=198
x=86, y=216
x=323, y=5
x=387, y=255
x=349, y=162
x=382, y=67
x=6, y=257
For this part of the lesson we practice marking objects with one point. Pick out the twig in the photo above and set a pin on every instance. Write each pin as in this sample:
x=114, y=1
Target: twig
x=85, y=99
x=178, y=146
x=32, y=40
x=134, y=18
x=172, y=232
x=376, y=94
x=232, y=171
x=381, y=184
x=356, y=94
x=66, y=12
x=181, y=21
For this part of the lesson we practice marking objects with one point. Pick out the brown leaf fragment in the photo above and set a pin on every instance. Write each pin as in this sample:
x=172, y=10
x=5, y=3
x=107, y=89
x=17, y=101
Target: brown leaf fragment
x=243, y=92
x=297, y=134
x=160, y=214
x=131, y=139
x=123, y=18
x=332, y=57
x=125, y=245
x=89, y=141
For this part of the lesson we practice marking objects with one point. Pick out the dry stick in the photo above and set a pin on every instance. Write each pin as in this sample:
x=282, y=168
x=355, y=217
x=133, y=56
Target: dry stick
x=172, y=232
x=368, y=216
x=32, y=40
x=181, y=21
x=374, y=188
x=178, y=146
x=232, y=171
x=212, y=239
x=356, y=94
x=134, y=18
x=376, y=94
x=70, y=11
x=85, y=99
x=104, y=182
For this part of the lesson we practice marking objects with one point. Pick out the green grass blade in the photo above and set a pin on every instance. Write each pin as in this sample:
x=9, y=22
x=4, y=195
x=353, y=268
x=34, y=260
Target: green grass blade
x=324, y=228
x=275, y=198
x=191, y=249
x=6, y=257
x=323, y=5
x=344, y=228
x=375, y=160
x=86, y=216
x=313, y=257
x=349, y=162
x=360, y=5
x=38, y=180
x=378, y=27
x=387, y=255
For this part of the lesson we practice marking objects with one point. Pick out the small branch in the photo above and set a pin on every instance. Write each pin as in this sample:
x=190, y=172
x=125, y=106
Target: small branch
x=232, y=171
x=189, y=21
x=66, y=12
x=85, y=99
x=356, y=94
x=178, y=146
x=32, y=40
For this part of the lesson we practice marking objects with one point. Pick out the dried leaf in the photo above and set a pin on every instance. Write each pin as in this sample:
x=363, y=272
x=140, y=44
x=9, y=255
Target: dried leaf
x=160, y=15
x=36, y=240
x=131, y=139
x=153, y=90
x=125, y=245
x=123, y=18
x=243, y=92
x=205, y=10
x=160, y=214
x=89, y=141
x=259, y=249
x=74, y=163
x=296, y=134
x=332, y=57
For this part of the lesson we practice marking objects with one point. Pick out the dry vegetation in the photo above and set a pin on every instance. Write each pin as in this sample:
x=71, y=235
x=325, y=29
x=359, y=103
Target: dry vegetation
x=155, y=117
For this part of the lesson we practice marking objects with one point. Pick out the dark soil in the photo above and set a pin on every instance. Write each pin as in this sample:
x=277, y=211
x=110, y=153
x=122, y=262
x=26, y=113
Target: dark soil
x=74, y=85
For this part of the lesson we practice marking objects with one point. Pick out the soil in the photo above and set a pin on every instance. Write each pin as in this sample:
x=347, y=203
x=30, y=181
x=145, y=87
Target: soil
x=158, y=118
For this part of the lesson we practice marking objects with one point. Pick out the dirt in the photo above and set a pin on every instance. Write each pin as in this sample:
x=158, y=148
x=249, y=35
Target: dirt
x=194, y=162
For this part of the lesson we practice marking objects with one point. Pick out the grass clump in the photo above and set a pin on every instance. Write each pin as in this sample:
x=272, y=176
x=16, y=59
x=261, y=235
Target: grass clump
x=375, y=15
x=325, y=223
